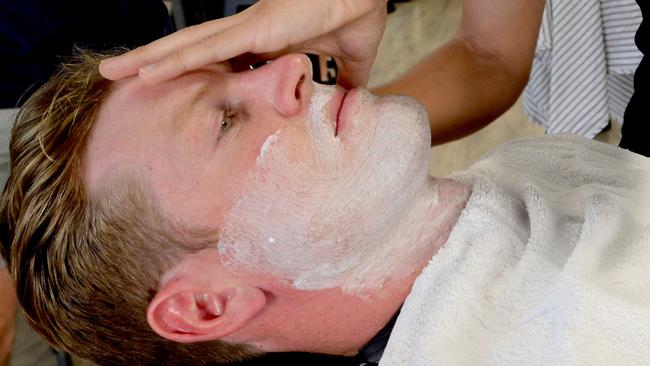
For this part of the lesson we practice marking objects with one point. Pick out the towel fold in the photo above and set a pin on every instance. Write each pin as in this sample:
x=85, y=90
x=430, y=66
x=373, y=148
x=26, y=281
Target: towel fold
x=549, y=263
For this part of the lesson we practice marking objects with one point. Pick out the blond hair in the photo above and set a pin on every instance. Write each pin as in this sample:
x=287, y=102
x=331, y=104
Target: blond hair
x=86, y=269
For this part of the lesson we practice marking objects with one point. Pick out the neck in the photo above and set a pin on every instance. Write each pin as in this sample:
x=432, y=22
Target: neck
x=342, y=320
x=424, y=228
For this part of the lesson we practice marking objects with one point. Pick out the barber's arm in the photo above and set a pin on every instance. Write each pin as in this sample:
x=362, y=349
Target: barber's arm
x=7, y=315
x=480, y=73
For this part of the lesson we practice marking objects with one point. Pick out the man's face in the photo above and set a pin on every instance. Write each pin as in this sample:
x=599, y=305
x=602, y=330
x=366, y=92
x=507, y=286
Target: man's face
x=302, y=181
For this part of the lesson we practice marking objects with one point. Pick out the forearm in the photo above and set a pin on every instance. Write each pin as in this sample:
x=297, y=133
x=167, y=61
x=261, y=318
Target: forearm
x=7, y=316
x=462, y=89
x=480, y=73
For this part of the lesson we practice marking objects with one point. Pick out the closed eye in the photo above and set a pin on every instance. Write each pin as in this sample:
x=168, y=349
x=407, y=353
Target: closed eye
x=227, y=121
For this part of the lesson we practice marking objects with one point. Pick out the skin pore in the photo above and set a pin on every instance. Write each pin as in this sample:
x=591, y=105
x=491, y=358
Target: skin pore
x=322, y=199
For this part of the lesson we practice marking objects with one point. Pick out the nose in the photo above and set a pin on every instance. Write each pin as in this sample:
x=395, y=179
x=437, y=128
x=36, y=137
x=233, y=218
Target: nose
x=286, y=82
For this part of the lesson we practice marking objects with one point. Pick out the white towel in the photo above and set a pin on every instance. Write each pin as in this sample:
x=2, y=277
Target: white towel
x=549, y=264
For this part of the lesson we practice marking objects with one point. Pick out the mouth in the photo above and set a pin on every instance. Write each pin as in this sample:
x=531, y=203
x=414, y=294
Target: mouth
x=338, y=104
x=337, y=120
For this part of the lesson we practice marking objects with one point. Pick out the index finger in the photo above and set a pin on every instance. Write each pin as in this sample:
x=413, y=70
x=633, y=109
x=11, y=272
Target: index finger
x=130, y=63
x=218, y=47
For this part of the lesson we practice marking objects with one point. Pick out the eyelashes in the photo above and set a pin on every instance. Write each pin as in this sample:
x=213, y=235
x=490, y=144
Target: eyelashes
x=227, y=121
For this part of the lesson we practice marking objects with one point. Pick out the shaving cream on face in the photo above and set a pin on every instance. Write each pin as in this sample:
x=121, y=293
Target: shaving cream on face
x=351, y=211
x=267, y=146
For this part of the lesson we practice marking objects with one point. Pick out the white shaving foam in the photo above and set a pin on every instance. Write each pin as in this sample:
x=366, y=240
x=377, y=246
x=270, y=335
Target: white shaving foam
x=352, y=211
x=266, y=146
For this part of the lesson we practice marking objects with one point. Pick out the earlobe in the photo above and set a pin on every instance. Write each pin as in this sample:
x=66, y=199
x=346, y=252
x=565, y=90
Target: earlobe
x=193, y=316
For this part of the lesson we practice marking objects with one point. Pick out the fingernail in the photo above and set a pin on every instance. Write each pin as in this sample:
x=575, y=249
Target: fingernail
x=147, y=69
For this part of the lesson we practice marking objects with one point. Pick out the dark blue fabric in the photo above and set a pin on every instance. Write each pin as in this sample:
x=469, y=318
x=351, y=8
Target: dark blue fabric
x=374, y=350
x=34, y=34
x=636, y=123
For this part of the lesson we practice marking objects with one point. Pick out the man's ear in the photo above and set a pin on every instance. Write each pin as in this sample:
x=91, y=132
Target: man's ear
x=186, y=310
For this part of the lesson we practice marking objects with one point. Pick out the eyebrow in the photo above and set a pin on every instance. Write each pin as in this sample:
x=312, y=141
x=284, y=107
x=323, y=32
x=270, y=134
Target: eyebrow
x=198, y=94
x=186, y=108
x=203, y=89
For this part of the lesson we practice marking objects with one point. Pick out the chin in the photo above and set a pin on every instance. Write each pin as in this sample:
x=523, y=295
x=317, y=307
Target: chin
x=406, y=121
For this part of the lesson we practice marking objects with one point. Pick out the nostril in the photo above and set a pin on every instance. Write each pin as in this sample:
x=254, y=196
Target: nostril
x=299, y=86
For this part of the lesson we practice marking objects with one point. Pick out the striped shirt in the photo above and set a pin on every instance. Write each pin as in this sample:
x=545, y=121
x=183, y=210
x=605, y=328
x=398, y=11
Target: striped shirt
x=583, y=71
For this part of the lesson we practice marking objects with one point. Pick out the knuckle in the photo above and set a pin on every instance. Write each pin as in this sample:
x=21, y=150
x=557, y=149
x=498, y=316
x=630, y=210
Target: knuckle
x=210, y=46
x=206, y=43
x=180, y=61
x=139, y=51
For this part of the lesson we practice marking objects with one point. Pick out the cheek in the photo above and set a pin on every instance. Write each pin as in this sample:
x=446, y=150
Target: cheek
x=302, y=221
x=272, y=225
x=310, y=213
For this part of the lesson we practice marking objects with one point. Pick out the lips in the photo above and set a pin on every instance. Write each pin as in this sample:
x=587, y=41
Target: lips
x=338, y=107
x=337, y=119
